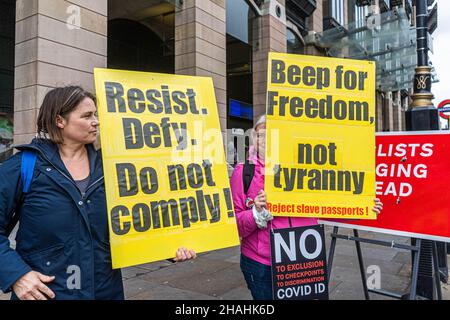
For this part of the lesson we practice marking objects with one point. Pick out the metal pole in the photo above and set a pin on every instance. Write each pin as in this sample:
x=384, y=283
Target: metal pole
x=415, y=270
x=422, y=115
x=441, y=251
x=436, y=271
x=361, y=265
x=331, y=254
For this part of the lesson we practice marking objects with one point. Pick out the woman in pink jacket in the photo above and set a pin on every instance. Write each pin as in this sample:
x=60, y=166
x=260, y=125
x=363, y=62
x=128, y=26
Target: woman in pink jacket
x=255, y=221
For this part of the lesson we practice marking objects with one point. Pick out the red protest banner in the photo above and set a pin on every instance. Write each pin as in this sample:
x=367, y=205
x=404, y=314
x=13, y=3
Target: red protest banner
x=413, y=173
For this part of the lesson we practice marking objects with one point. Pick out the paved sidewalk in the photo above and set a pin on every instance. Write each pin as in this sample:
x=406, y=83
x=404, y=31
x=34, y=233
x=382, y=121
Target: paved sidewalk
x=216, y=274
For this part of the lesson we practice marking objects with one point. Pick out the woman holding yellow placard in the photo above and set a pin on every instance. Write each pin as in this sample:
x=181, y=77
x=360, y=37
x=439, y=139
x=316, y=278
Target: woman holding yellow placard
x=55, y=188
x=255, y=221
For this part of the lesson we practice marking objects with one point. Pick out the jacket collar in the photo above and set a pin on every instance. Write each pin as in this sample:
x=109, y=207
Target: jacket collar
x=50, y=152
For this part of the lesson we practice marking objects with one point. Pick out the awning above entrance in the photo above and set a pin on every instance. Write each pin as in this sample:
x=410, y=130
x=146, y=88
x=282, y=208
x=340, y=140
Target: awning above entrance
x=386, y=38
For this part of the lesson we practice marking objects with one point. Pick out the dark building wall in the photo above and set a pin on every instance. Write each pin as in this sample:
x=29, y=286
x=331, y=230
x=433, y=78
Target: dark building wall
x=133, y=46
x=7, y=41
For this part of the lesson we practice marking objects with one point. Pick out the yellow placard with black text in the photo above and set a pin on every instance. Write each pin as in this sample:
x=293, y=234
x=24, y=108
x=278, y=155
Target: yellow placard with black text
x=320, y=156
x=166, y=178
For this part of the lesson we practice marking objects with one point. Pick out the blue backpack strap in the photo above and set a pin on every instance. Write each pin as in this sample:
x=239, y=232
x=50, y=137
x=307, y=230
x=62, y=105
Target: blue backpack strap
x=247, y=175
x=26, y=174
x=27, y=168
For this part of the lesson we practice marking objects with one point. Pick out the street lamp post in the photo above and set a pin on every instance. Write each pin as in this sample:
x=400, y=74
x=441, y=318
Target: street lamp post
x=422, y=115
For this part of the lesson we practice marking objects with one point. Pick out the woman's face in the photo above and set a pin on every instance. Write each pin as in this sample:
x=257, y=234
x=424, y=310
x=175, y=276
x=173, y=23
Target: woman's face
x=260, y=132
x=81, y=124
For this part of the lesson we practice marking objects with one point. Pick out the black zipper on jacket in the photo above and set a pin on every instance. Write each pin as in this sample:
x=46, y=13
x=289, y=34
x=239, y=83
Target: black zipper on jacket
x=93, y=183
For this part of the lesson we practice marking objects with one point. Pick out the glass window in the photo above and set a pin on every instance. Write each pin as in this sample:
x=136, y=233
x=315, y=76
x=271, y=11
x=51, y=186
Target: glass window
x=294, y=44
x=237, y=19
x=337, y=11
x=360, y=20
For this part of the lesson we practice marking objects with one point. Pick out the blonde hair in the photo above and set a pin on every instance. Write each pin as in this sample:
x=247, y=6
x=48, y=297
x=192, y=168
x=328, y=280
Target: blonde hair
x=259, y=121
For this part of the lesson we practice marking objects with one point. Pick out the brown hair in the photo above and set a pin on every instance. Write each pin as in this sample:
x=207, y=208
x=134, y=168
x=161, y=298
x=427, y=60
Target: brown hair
x=58, y=102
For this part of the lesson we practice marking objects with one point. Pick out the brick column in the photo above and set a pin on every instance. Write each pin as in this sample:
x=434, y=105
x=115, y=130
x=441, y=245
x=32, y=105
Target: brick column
x=57, y=43
x=200, y=46
x=387, y=115
x=402, y=118
x=269, y=34
x=378, y=112
x=400, y=113
x=395, y=108
x=390, y=111
x=315, y=25
x=346, y=8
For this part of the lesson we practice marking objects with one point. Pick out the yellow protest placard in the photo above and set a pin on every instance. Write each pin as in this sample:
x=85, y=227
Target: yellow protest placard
x=165, y=173
x=320, y=157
